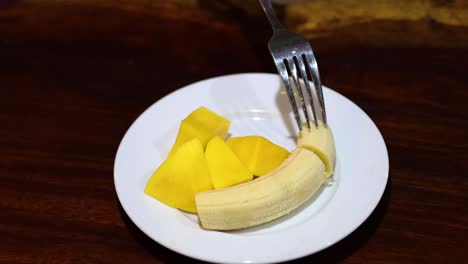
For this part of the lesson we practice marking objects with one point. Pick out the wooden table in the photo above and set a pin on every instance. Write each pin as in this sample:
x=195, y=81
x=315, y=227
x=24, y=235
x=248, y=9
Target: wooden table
x=73, y=79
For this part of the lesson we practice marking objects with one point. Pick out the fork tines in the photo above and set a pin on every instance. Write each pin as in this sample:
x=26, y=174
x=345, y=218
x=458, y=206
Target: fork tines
x=288, y=70
x=291, y=51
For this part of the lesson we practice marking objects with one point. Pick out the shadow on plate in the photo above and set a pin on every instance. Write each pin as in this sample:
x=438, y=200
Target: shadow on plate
x=338, y=252
x=284, y=106
x=159, y=252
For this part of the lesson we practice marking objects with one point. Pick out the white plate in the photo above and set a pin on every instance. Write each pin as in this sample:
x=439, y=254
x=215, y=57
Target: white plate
x=254, y=105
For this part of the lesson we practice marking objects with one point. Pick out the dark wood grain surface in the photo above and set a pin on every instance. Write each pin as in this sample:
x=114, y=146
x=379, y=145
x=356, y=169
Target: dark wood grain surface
x=73, y=78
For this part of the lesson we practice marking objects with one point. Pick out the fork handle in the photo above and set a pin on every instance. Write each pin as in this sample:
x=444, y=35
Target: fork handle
x=271, y=15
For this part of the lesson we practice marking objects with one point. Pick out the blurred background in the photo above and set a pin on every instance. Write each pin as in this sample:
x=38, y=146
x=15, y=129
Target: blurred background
x=102, y=48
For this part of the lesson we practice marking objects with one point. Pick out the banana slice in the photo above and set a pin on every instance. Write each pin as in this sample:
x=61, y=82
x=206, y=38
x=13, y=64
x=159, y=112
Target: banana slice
x=320, y=141
x=275, y=194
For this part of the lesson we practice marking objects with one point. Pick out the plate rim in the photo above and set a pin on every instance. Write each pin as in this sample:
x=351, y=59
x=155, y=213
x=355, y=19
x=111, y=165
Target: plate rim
x=372, y=206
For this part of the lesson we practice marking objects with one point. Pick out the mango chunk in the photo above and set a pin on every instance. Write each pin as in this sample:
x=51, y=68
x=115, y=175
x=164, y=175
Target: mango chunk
x=259, y=154
x=202, y=124
x=183, y=174
x=225, y=167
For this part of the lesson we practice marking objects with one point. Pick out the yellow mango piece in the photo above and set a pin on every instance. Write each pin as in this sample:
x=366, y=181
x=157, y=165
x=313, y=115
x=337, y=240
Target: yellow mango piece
x=180, y=177
x=225, y=167
x=244, y=148
x=202, y=124
x=259, y=154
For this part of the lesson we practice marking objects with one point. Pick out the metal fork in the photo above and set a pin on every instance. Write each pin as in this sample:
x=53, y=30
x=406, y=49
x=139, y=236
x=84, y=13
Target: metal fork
x=291, y=51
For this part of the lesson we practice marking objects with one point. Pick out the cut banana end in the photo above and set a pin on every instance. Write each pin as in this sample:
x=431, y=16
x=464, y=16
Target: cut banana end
x=273, y=195
x=320, y=141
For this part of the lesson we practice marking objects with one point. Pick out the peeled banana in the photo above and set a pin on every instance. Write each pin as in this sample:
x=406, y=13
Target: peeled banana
x=275, y=194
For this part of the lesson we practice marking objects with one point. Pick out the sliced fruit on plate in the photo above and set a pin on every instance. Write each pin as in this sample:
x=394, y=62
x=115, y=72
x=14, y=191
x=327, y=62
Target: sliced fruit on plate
x=226, y=169
x=201, y=161
x=259, y=154
x=183, y=174
x=202, y=124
